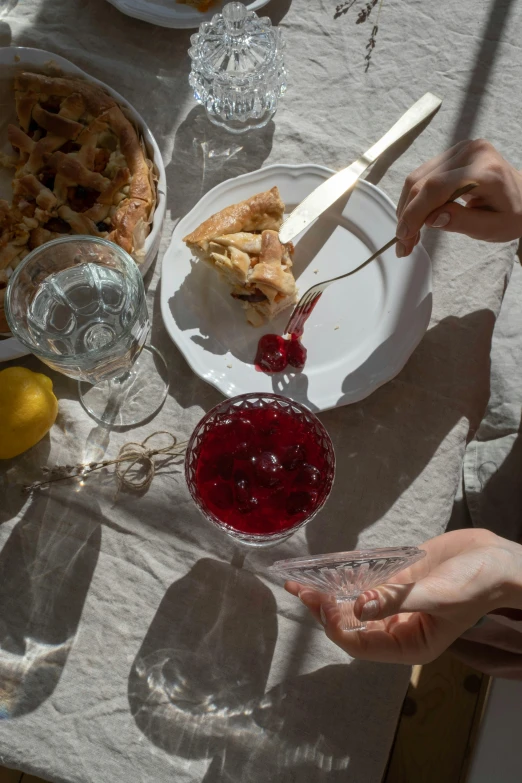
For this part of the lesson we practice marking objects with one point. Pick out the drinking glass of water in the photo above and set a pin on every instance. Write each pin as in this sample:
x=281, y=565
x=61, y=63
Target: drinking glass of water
x=78, y=304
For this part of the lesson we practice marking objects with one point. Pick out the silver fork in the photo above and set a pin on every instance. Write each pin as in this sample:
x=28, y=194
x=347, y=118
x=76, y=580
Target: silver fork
x=310, y=298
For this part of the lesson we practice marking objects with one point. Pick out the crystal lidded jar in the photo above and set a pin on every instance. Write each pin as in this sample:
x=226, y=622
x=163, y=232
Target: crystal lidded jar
x=238, y=71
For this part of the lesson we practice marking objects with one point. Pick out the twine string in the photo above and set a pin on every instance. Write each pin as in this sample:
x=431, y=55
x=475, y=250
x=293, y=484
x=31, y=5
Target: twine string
x=131, y=454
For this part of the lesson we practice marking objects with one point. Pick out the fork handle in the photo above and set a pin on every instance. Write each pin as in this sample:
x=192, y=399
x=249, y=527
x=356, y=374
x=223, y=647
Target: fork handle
x=461, y=192
x=377, y=253
x=454, y=196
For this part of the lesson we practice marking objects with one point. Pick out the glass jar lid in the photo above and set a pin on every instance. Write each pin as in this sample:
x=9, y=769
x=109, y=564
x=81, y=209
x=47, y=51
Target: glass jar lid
x=236, y=45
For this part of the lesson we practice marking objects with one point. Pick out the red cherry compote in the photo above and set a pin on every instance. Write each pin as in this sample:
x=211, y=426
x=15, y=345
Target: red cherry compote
x=274, y=353
x=262, y=470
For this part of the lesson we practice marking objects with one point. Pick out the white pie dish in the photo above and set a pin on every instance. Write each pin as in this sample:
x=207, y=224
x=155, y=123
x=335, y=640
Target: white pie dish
x=168, y=13
x=14, y=59
x=360, y=334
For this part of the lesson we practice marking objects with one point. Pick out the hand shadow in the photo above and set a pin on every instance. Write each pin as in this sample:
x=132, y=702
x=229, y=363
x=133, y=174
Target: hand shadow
x=197, y=689
x=46, y=567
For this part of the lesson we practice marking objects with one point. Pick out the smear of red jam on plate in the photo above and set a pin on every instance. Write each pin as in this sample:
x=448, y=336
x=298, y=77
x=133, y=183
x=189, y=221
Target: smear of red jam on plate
x=275, y=353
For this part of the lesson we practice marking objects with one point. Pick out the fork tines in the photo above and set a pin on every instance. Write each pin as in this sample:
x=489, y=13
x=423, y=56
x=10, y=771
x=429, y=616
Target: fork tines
x=301, y=312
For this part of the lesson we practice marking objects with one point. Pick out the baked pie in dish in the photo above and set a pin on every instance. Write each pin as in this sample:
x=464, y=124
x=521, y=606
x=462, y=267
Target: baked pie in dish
x=242, y=243
x=80, y=168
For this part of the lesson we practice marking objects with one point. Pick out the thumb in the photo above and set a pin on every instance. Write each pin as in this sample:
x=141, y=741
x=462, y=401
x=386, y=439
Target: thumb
x=475, y=223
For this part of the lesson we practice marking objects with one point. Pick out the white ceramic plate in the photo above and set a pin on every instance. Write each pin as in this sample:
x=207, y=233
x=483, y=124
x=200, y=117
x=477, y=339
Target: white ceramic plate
x=362, y=330
x=14, y=59
x=168, y=13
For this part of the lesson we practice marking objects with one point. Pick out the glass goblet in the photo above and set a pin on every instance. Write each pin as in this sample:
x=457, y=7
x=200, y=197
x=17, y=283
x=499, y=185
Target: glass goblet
x=78, y=304
x=259, y=466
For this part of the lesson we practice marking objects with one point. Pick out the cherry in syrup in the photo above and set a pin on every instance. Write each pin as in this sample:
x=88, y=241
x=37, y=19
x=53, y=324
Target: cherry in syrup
x=265, y=475
x=274, y=353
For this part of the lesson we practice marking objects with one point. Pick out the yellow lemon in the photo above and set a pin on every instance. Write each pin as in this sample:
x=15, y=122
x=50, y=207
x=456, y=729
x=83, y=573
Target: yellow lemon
x=28, y=409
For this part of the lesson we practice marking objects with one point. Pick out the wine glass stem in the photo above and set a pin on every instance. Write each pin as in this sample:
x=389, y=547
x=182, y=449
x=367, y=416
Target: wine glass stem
x=121, y=378
x=349, y=621
x=132, y=397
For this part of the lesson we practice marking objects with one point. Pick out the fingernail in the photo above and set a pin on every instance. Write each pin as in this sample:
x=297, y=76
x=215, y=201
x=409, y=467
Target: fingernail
x=400, y=250
x=322, y=615
x=370, y=610
x=441, y=220
x=402, y=230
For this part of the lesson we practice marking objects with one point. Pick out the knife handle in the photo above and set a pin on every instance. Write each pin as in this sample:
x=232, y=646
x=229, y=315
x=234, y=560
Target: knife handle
x=419, y=112
x=340, y=183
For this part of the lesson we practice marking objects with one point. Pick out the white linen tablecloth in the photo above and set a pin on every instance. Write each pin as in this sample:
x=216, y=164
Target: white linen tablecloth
x=493, y=460
x=135, y=643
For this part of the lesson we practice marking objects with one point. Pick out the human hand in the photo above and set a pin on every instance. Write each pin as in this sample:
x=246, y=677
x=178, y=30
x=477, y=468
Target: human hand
x=493, y=210
x=468, y=574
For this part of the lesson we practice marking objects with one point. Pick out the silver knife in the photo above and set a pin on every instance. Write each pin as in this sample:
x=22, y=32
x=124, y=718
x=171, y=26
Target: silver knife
x=335, y=186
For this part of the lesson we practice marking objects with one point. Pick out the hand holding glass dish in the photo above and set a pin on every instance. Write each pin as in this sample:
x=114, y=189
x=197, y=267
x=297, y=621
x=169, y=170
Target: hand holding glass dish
x=78, y=303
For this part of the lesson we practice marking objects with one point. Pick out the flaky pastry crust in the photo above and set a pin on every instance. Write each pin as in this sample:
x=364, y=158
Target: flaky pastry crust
x=81, y=169
x=241, y=242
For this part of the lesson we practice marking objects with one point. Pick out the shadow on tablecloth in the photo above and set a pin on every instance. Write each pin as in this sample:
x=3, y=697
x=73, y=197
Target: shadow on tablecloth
x=370, y=481
x=46, y=567
x=442, y=389
x=493, y=461
x=205, y=155
x=197, y=688
x=276, y=10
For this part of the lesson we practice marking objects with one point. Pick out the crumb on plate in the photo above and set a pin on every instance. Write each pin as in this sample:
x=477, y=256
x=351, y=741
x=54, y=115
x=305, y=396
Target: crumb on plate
x=335, y=328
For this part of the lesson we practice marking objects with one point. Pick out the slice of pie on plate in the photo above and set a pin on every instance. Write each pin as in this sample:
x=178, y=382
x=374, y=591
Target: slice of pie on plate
x=242, y=243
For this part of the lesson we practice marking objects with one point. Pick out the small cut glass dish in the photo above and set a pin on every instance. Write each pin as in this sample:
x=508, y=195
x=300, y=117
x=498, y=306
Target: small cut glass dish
x=259, y=466
x=345, y=575
x=238, y=72
x=78, y=304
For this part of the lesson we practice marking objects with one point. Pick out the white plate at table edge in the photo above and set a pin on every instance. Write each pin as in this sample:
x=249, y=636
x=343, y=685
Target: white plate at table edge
x=180, y=17
x=39, y=58
x=263, y=179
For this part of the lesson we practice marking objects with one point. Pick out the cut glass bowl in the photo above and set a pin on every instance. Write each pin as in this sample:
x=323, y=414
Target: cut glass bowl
x=345, y=575
x=273, y=533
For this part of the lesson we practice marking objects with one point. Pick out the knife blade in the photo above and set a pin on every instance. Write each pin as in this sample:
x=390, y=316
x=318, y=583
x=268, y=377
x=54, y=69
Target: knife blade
x=335, y=186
